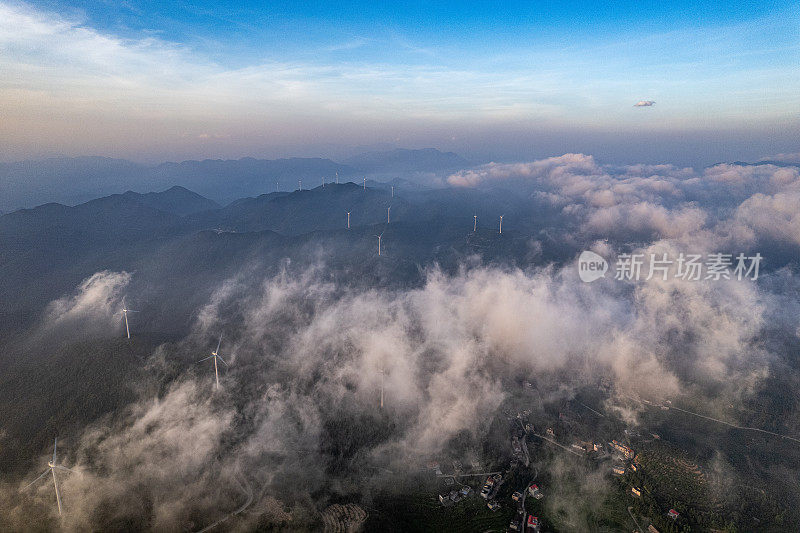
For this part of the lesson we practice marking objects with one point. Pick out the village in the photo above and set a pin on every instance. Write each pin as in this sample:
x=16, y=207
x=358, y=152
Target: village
x=514, y=485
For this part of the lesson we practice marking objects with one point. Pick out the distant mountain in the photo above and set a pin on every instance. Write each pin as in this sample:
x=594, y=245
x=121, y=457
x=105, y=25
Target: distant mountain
x=71, y=181
x=66, y=180
x=403, y=160
x=774, y=163
x=227, y=180
x=176, y=200
x=321, y=208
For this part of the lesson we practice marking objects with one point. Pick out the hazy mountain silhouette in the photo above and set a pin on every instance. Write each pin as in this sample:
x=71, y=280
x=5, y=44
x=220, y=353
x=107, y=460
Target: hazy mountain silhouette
x=404, y=160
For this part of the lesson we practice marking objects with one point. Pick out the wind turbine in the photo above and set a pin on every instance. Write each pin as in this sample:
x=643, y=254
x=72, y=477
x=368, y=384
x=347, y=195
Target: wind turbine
x=392, y=191
x=475, y=223
x=501, y=223
x=348, y=220
x=365, y=184
x=215, y=355
x=383, y=374
x=323, y=182
x=300, y=184
x=52, y=466
x=388, y=209
x=337, y=178
x=379, y=242
x=125, y=312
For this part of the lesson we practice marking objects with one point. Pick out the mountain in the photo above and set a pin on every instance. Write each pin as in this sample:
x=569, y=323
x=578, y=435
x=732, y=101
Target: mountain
x=321, y=208
x=227, y=180
x=176, y=200
x=73, y=180
x=402, y=160
x=66, y=180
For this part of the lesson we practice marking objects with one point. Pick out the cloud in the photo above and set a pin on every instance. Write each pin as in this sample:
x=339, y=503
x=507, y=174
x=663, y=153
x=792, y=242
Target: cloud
x=775, y=217
x=94, y=309
x=644, y=103
x=303, y=386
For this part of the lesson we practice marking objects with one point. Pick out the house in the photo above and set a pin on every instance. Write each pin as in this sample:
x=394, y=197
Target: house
x=533, y=523
x=672, y=513
x=465, y=491
x=624, y=450
x=493, y=506
x=652, y=529
x=533, y=489
x=517, y=496
x=636, y=492
x=618, y=470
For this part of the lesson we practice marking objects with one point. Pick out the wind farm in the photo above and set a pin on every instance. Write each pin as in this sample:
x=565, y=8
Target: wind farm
x=618, y=353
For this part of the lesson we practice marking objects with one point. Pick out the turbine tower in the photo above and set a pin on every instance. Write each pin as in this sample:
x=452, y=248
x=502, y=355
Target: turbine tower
x=300, y=184
x=392, y=191
x=383, y=374
x=323, y=181
x=348, y=220
x=501, y=224
x=215, y=355
x=125, y=312
x=388, y=209
x=475, y=223
x=52, y=466
x=379, y=243
x=337, y=178
x=365, y=184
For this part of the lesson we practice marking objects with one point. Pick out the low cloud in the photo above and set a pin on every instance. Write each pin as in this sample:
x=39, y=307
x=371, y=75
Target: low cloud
x=93, y=309
x=644, y=103
x=304, y=384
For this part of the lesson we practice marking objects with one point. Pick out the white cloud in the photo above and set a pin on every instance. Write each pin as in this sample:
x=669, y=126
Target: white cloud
x=644, y=103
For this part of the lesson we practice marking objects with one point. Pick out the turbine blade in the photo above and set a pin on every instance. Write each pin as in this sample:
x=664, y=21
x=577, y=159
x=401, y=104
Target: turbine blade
x=55, y=445
x=223, y=360
x=65, y=469
x=220, y=342
x=58, y=494
x=35, y=480
x=204, y=359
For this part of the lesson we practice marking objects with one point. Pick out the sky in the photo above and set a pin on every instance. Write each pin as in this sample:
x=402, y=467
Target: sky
x=154, y=81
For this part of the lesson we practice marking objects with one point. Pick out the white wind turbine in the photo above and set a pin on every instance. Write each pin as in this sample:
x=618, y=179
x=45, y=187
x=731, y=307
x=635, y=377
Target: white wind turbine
x=348, y=220
x=215, y=355
x=300, y=184
x=365, y=184
x=501, y=223
x=52, y=466
x=337, y=178
x=379, y=242
x=392, y=191
x=125, y=312
x=388, y=210
x=475, y=223
x=383, y=374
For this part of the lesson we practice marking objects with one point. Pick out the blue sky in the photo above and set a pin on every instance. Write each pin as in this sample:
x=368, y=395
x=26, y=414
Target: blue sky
x=154, y=80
